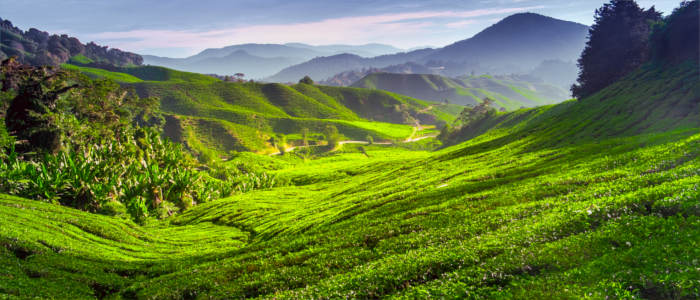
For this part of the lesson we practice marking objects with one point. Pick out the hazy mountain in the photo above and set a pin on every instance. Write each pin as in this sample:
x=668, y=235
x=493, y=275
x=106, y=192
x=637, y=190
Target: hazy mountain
x=239, y=61
x=517, y=43
x=368, y=50
x=322, y=68
x=37, y=47
x=261, y=60
x=510, y=92
x=347, y=78
x=560, y=73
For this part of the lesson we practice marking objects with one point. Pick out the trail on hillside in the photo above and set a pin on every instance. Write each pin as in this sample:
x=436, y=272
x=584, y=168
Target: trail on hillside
x=409, y=139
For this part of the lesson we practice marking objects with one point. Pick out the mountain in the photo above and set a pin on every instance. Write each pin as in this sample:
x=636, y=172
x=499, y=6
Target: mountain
x=368, y=50
x=37, y=48
x=509, y=92
x=322, y=68
x=261, y=60
x=347, y=78
x=239, y=61
x=556, y=72
x=517, y=44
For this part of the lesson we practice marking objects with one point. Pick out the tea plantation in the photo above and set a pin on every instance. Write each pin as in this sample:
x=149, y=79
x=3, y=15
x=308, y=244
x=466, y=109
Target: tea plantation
x=592, y=198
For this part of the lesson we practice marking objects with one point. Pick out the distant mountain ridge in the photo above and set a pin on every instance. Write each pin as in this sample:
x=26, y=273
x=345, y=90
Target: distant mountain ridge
x=508, y=92
x=516, y=44
x=521, y=40
x=261, y=60
x=322, y=68
x=37, y=47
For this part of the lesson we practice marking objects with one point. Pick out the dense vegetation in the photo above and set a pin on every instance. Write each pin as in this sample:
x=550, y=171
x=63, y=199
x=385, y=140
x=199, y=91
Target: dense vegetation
x=38, y=48
x=92, y=145
x=543, y=206
x=590, y=198
x=618, y=44
x=213, y=117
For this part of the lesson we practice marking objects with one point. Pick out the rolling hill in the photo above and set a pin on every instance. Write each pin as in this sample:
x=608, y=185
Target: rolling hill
x=508, y=92
x=591, y=198
x=212, y=116
x=595, y=197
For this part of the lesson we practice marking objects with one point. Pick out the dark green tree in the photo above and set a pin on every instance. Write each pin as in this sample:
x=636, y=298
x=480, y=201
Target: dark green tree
x=470, y=115
x=332, y=136
x=618, y=43
x=676, y=39
x=306, y=80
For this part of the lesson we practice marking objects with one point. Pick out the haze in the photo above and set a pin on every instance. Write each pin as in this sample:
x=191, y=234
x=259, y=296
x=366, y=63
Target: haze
x=181, y=28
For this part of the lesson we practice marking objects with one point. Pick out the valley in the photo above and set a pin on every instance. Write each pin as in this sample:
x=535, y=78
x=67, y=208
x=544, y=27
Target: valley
x=490, y=168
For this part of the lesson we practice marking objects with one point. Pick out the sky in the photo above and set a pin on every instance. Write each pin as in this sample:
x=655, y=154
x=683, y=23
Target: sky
x=180, y=28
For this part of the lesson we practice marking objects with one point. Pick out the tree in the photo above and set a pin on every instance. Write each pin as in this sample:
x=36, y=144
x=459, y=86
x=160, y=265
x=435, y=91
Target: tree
x=332, y=136
x=306, y=80
x=445, y=133
x=239, y=77
x=305, y=136
x=675, y=39
x=470, y=115
x=32, y=114
x=618, y=43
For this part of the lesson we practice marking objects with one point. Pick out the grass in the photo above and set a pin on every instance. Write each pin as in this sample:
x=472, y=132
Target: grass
x=254, y=112
x=574, y=200
x=133, y=74
x=219, y=117
x=101, y=73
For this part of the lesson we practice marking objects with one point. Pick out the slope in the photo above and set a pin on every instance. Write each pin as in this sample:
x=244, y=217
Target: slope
x=207, y=114
x=518, y=42
x=507, y=92
x=564, y=201
x=255, y=112
x=321, y=68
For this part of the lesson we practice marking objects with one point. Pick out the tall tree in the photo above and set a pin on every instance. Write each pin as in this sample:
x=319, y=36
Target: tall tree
x=618, y=43
x=677, y=38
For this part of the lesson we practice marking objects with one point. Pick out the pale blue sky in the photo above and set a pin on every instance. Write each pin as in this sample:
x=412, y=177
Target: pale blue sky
x=183, y=27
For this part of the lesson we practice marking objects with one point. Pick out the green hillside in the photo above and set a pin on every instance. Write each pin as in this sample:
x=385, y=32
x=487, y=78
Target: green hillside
x=131, y=74
x=592, y=198
x=211, y=115
x=508, y=92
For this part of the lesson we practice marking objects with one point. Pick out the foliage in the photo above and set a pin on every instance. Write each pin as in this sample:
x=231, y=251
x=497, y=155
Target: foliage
x=584, y=199
x=476, y=113
x=306, y=80
x=676, y=39
x=618, y=44
x=109, y=150
x=332, y=136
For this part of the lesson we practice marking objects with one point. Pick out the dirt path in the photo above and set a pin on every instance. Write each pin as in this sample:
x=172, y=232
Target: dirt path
x=410, y=139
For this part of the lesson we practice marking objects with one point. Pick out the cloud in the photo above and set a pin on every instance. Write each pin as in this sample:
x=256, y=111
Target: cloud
x=460, y=24
x=400, y=29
